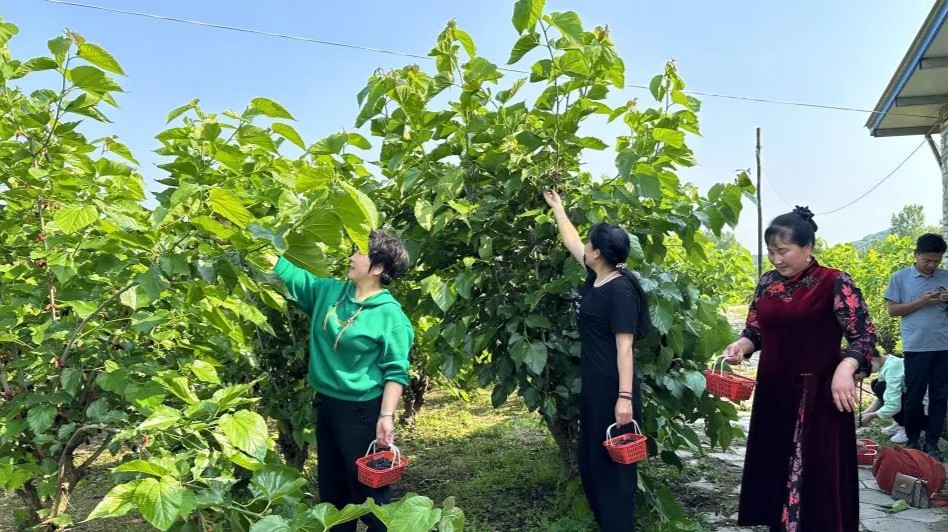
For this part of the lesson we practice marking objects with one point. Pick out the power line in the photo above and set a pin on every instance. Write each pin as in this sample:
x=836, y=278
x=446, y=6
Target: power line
x=775, y=189
x=243, y=30
x=883, y=180
x=792, y=103
x=894, y=170
x=419, y=56
x=873, y=187
x=861, y=196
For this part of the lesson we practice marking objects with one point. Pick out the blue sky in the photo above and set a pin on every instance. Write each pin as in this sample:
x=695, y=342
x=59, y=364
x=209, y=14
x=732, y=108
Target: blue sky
x=838, y=53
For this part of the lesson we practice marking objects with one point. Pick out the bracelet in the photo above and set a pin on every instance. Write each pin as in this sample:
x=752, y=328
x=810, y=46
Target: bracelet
x=387, y=414
x=627, y=398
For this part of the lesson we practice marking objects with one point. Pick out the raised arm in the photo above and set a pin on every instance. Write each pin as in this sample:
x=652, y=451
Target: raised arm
x=567, y=231
x=302, y=285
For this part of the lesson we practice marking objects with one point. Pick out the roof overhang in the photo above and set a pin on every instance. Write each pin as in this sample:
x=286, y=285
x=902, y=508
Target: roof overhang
x=913, y=100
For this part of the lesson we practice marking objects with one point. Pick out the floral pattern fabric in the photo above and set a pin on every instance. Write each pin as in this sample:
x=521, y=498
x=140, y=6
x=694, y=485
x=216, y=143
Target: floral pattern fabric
x=850, y=309
x=790, y=516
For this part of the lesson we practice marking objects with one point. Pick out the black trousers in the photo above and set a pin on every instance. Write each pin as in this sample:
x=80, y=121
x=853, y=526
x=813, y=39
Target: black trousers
x=610, y=487
x=878, y=389
x=925, y=371
x=344, y=430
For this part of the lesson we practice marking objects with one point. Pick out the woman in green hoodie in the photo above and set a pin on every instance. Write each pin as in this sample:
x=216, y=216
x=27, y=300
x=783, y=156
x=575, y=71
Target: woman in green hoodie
x=358, y=364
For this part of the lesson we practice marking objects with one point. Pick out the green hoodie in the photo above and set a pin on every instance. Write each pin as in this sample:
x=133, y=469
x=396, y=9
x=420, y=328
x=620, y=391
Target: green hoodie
x=350, y=363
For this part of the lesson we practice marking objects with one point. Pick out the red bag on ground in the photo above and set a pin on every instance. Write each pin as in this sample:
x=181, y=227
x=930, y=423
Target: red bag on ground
x=894, y=460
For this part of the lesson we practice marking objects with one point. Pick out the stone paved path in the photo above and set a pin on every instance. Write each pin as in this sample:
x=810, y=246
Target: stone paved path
x=874, y=505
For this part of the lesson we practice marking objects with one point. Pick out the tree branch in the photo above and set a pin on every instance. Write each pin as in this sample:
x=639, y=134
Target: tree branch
x=82, y=324
x=556, y=89
x=19, y=371
x=71, y=443
x=105, y=443
x=67, y=467
x=50, y=278
x=59, y=112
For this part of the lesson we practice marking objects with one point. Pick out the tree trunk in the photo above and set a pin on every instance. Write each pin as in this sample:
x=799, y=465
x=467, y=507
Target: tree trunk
x=564, y=434
x=31, y=501
x=414, y=397
x=294, y=455
x=68, y=478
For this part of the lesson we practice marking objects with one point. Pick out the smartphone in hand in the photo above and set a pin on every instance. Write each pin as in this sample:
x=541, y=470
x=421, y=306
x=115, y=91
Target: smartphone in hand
x=943, y=296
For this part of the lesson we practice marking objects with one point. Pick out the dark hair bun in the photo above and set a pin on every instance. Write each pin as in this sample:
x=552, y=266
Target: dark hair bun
x=796, y=226
x=612, y=241
x=806, y=215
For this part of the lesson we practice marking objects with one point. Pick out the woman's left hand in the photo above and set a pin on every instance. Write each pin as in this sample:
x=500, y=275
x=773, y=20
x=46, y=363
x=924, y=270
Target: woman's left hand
x=844, y=387
x=385, y=431
x=623, y=412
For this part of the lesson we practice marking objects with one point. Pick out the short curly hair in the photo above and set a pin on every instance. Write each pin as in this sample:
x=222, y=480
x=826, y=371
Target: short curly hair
x=388, y=251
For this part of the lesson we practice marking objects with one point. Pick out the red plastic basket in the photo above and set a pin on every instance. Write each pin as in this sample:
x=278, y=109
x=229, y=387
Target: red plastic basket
x=626, y=448
x=867, y=457
x=728, y=385
x=375, y=478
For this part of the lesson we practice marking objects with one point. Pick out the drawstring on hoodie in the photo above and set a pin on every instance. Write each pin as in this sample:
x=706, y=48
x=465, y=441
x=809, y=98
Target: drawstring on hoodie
x=345, y=325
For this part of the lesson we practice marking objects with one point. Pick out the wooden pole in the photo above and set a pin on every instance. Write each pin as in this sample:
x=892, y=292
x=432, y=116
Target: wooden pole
x=760, y=217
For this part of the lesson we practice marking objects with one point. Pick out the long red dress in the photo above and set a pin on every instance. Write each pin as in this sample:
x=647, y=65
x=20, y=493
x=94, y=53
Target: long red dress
x=800, y=471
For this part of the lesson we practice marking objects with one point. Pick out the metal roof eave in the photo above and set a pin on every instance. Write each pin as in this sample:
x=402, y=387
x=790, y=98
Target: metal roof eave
x=929, y=30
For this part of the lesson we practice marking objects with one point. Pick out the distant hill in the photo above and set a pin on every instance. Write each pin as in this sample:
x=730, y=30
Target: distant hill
x=862, y=244
x=867, y=241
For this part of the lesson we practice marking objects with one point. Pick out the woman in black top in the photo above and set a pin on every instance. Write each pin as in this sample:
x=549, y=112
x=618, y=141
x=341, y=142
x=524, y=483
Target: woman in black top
x=612, y=314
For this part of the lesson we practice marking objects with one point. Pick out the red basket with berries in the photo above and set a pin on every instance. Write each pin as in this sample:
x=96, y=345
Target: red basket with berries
x=626, y=448
x=381, y=467
x=728, y=385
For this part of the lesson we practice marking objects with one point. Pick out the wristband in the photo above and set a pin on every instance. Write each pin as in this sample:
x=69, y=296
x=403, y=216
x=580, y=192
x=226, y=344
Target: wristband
x=386, y=414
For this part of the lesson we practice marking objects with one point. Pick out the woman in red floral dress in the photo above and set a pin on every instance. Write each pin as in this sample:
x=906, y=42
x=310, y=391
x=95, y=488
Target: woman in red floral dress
x=800, y=470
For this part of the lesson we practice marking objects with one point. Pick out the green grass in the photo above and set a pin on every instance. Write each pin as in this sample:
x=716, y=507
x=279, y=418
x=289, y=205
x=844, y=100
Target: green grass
x=501, y=465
